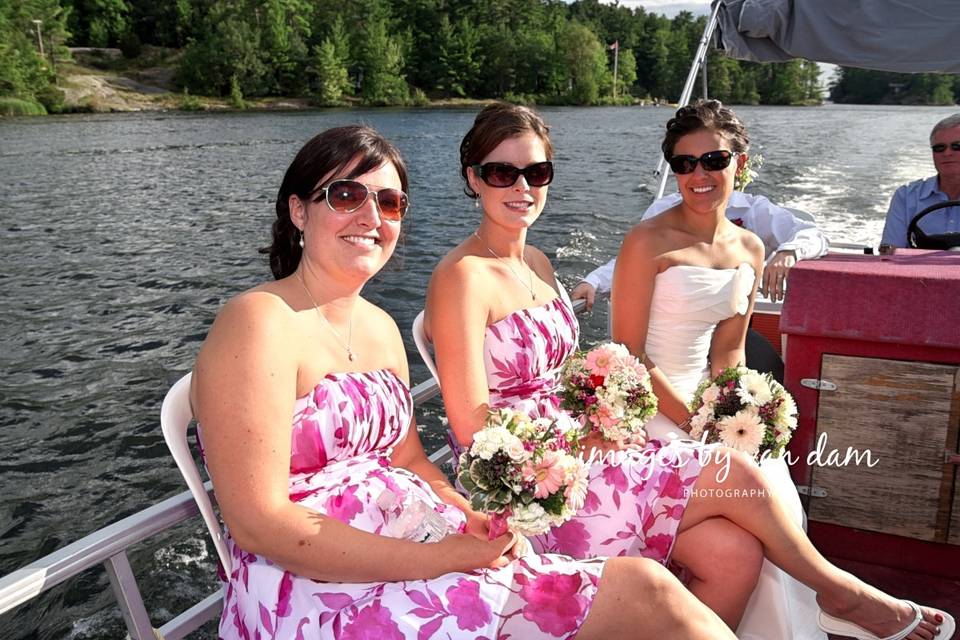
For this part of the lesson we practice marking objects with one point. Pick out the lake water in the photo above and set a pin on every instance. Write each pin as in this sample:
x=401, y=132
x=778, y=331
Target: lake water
x=123, y=234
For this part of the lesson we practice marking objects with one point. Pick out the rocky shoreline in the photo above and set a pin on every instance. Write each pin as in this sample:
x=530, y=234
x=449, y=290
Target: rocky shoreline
x=91, y=85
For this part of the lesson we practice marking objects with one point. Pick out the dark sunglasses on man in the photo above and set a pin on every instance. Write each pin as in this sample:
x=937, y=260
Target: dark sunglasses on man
x=502, y=175
x=940, y=147
x=346, y=196
x=710, y=161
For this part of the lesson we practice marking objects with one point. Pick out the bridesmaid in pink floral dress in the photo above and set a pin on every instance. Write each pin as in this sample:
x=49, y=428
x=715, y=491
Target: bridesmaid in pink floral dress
x=502, y=327
x=631, y=508
x=301, y=388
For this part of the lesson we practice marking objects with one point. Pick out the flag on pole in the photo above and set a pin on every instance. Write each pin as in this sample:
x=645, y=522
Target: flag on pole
x=615, y=45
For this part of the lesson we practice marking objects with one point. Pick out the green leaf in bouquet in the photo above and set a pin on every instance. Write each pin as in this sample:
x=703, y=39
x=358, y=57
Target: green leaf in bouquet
x=478, y=502
x=553, y=503
x=479, y=474
x=466, y=481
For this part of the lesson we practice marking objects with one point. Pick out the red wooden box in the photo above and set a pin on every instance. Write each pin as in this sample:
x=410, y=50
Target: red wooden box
x=884, y=333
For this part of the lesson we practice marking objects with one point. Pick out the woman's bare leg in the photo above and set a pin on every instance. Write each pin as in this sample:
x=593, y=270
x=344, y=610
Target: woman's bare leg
x=746, y=498
x=725, y=578
x=639, y=598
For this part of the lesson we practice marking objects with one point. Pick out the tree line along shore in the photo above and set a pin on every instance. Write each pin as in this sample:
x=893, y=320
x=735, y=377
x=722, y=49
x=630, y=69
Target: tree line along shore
x=104, y=55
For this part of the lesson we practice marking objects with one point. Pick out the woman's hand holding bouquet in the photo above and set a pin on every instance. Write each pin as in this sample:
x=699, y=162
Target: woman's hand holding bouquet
x=524, y=472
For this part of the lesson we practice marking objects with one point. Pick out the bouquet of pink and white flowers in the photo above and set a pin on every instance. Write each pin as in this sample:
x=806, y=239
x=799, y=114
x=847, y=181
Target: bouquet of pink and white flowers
x=609, y=390
x=523, y=472
x=745, y=410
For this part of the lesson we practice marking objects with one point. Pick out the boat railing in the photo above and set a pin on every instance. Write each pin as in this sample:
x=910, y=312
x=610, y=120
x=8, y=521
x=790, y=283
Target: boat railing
x=108, y=547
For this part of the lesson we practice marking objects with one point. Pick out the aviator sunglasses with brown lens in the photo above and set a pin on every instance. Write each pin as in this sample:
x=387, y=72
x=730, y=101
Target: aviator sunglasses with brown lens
x=503, y=175
x=346, y=196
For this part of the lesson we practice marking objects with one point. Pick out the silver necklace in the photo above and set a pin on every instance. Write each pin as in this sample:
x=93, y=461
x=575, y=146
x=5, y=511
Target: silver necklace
x=336, y=334
x=528, y=287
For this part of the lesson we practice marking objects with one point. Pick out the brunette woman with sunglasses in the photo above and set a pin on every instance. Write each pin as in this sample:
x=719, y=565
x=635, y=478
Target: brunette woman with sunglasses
x=302, y=393
x=684, y=299
x=502, y=327
x=683, y=291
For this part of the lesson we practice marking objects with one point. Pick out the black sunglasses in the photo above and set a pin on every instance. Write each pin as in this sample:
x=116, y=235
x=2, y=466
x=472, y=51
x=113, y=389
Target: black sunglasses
x=346, y=196
x=712, y=161
x=940, y=147
x=500, y=174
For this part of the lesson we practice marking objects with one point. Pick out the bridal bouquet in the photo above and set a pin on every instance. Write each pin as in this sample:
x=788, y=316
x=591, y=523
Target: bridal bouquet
x=524, y=473
x=609, y=390
x=744, y=410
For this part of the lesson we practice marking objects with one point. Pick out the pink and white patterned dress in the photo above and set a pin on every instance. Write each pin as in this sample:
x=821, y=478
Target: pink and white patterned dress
x=343, y=434
x=634, y=504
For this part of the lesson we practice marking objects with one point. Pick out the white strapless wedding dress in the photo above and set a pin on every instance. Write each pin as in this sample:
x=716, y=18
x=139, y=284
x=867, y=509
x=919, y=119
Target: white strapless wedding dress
x=688, y=302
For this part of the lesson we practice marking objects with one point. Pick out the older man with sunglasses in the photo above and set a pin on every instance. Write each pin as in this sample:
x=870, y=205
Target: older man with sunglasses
x=912, y=198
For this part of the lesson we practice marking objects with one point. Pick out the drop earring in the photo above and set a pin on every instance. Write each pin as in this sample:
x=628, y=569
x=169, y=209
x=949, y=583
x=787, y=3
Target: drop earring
x=476, y=202
x=301, y=240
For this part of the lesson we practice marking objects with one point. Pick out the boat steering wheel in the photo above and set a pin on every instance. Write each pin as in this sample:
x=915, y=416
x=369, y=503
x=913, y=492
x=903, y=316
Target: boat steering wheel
x=917, y=239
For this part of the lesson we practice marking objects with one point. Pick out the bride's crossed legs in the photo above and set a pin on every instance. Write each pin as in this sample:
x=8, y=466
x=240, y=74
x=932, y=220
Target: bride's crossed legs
x=733, y=488
x=725, y=578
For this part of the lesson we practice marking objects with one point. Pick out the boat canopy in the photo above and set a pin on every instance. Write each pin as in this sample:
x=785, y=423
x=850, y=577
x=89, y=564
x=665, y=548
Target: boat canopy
x=909, y=36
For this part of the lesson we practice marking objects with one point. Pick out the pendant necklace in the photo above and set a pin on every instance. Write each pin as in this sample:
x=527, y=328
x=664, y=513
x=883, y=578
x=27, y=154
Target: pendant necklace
x=336, y=334
x=528, y=287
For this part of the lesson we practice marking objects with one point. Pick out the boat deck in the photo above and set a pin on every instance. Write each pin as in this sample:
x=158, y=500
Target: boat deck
x=924, y=589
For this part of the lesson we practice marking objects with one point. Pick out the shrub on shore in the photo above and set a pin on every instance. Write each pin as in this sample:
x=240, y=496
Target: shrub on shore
x=17, y=107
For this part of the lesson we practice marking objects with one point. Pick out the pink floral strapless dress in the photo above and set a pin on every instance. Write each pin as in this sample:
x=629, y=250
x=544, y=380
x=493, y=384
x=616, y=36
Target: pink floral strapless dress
x=343, y=434
x=634, y=504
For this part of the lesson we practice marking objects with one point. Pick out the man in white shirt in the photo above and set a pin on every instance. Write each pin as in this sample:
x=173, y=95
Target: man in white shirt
x=786, y=237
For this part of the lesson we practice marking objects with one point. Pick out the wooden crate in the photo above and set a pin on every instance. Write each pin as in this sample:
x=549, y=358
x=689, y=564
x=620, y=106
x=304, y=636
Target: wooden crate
x=906, y=414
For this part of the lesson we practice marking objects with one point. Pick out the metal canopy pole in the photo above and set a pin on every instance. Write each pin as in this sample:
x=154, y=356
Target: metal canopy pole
x=698, y=60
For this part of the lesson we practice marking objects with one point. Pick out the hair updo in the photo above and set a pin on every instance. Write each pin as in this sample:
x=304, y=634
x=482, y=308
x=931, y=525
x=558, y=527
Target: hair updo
x=497, y=122
x=705, y=114
x=326, y=154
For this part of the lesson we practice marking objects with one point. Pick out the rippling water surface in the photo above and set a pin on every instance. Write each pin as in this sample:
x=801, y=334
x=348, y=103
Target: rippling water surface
x=123, y=234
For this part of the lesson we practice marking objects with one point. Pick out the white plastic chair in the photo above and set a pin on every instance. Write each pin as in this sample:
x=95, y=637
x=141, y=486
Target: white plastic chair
x=423, y=346
x=175, y=417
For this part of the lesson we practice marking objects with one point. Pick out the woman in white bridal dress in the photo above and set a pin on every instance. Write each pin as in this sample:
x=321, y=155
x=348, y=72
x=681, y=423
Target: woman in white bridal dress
x=683, y=291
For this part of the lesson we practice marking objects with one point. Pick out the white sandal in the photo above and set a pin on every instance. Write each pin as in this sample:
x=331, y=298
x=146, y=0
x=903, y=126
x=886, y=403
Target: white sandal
x=840, y=627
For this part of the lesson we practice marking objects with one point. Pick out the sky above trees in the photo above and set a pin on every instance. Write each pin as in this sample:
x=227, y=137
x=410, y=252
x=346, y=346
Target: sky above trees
x=669, y=8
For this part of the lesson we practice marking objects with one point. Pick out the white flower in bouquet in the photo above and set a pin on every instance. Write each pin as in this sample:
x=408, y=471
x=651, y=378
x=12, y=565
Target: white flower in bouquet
x=529, y=520
x=742, y=431
x=786, y=417
x=753, y=389
x=487, y=442
x=577, y=479
x=711, y=393
x=700, y=420
x=515, y=449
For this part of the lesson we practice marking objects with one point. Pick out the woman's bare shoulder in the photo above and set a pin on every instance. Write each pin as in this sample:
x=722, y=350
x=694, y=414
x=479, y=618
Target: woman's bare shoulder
x=539, y=260
x=384, y=337
x=459, y=268
x=262, y=306
x=751, y=242
x=647, y=237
